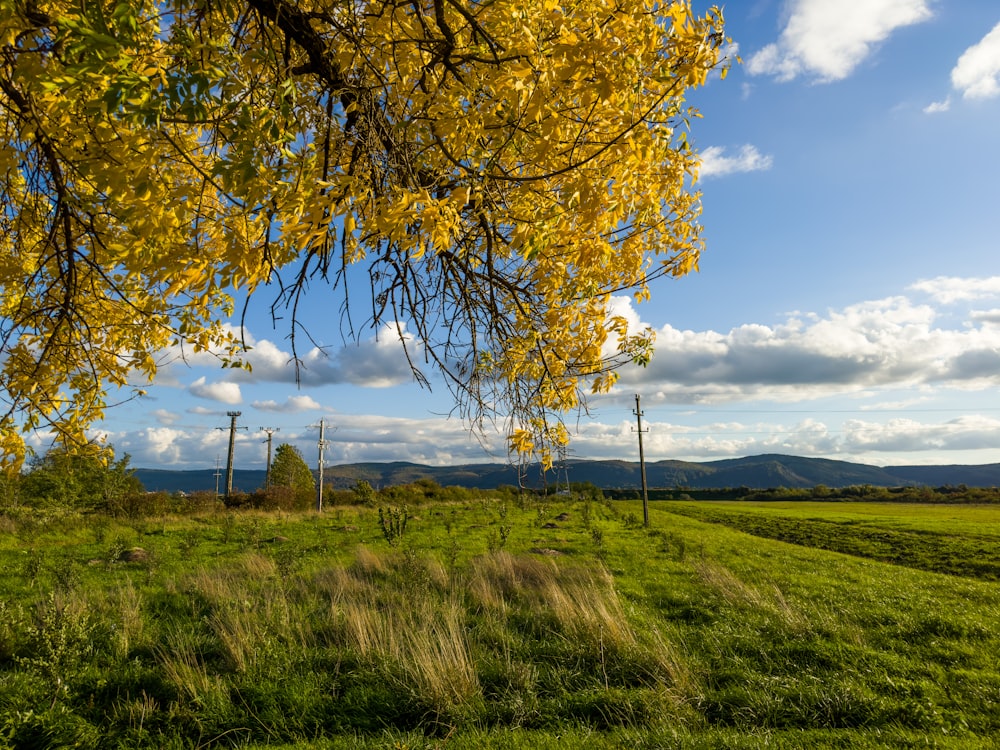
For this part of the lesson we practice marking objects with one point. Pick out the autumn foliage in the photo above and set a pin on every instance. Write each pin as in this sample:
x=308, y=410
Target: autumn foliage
x=496, y=170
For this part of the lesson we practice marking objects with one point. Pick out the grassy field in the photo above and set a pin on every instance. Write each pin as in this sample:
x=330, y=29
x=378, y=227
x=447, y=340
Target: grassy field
x=507, y=624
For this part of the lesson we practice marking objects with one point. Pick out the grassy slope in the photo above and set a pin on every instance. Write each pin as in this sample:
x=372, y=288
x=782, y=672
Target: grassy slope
x=298, y=631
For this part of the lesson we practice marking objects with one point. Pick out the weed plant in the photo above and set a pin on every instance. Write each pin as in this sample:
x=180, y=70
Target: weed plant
x=527, y=623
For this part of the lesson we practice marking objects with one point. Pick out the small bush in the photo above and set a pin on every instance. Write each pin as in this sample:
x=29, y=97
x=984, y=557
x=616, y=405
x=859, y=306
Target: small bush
x=281, y=498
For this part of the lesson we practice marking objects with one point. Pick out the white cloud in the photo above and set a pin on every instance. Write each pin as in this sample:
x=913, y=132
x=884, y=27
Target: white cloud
x=292, y=405
x=977, y=73
x=435, y=440
x=224, y=392
x=986, y=316
x=165, y=417
x=167, y=447
x=897, y=435
x=377, y=362
x=901, y=405
x=204, y=411
x=715, y=163
x=936, y=107
x=894, y=441
x=882, y=344
x=951, y=289
x=442, y=442
x=875, y=356
x=828, y=39
x=350, y=438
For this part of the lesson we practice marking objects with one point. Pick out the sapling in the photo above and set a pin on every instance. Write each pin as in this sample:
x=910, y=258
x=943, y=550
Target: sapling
x=392, y=521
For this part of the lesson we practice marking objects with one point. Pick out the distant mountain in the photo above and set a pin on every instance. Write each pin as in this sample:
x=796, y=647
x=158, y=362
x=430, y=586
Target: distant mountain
x=756, y=472
x=198, y=480
x=775, y=470
x=984, y=475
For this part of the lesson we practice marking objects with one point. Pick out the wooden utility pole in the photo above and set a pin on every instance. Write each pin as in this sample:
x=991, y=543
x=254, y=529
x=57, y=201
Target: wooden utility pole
x=642, y=463
x=232, y=448
x=267, y=477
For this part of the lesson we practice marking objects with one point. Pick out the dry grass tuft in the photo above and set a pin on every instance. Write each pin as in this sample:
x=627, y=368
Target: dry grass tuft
x=184, y=667
x=368, y=564
x=424, y=643
x=127, y=604
x=582, y=601
x=253, y=613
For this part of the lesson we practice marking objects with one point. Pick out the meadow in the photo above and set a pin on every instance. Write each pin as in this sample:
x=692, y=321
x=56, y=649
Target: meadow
x=503, y=621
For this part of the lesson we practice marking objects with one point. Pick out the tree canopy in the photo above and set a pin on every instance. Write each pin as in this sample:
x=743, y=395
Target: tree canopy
x=499, y=169
x=72, y=480
x=289, y=469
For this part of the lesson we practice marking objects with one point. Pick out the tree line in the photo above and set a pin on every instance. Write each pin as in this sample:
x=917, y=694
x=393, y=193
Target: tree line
x=81, y=482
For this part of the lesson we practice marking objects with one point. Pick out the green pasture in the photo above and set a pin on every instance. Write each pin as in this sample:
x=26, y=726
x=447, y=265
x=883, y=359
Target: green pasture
x=964, y=520
x=505, y=622
x=954, y=539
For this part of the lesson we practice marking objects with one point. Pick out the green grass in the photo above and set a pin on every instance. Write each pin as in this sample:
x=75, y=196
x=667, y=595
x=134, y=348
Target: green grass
x=959, y=540
x=506, y=625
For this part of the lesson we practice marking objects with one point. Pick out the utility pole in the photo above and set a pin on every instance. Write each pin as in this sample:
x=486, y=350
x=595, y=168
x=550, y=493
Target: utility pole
x=322, y=445
x=232, y=447
x=562, y=468
x=642, y=463
x=218, y=473
x=270, y=431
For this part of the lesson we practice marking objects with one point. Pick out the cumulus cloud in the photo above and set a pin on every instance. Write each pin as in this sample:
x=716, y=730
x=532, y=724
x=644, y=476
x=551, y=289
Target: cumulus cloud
x=350, y=438
x=896, y=441
x=377, y=362
x=291, y=405
x=715, y=162
x=828, y=39
x=977, y=72
x=435, y=440
x=950, y=289
x=441, y=442
x=899, y=435
x=224, y=392
x=168, y=447
x=165, y=417
x=889, y=343
x=986, y=316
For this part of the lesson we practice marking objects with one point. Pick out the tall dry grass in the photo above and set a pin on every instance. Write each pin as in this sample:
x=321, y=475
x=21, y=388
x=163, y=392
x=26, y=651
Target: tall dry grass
x=579, y=604
x=427, y=634
x=580, y=601
x=254, y=613
x=425, y=646
x=185, y=668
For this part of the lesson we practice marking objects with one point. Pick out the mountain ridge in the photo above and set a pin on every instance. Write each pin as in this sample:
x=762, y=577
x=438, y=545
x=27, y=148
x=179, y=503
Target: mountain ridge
x=756, y=472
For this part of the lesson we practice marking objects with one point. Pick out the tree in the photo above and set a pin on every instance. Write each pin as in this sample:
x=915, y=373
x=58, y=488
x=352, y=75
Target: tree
x=70, y=480
x=500, y=169
x=290, y=470
x=364, y=492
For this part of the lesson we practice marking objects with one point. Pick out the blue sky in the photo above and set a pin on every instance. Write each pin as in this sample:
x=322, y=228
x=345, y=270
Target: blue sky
x=847, y=306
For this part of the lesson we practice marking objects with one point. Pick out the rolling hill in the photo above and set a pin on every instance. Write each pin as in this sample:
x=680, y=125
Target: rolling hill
x=757, y=472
